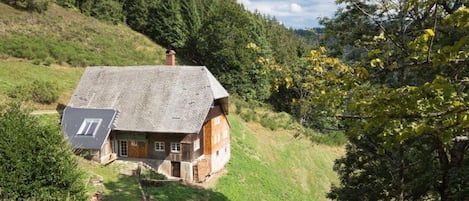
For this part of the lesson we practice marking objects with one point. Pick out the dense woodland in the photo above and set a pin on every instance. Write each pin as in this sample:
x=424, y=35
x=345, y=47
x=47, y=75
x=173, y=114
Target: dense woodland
x=392, y=75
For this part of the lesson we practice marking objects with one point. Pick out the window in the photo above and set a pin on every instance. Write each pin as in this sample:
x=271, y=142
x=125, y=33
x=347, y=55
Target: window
x=216, y=120
x=216, y=138
x=89, y=127
x=159, y=146
x=175, y=147
x=225, y=133
x=196, y=144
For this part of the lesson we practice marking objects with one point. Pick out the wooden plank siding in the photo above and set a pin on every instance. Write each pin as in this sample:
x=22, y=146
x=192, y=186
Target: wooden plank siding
x=187, y=152
x=216, y=131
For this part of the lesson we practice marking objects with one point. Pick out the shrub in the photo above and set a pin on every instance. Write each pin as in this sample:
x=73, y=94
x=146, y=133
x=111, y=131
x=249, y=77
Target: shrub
x=336, y=138
x=66, y=3
x=36, y=163
x=45, y=92
x=31, y=5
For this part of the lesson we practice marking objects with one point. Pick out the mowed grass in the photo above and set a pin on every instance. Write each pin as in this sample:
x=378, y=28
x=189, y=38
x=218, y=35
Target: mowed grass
x=274, y=165
x=117, y=183
x=14, y=72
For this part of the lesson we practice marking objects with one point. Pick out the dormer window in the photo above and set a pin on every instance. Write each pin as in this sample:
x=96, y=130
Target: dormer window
x=89, y=127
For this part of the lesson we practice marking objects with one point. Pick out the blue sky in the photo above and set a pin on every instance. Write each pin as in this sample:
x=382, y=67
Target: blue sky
x=295, y=14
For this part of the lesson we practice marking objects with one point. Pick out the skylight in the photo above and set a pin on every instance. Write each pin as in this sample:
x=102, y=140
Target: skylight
x=89, y=127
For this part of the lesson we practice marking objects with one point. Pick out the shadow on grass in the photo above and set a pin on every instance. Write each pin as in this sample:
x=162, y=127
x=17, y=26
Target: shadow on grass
x=178, y=191
x=124, y=188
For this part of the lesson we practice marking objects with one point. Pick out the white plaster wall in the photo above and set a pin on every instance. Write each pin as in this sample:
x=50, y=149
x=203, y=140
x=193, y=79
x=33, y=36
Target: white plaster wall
x=187, y=173
x=217, y=162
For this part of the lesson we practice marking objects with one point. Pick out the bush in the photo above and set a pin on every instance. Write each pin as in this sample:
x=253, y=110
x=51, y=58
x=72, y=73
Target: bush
x=31, y=5
x=66, y=3
x=45, y=92
x=336, y=138
x=35, y=161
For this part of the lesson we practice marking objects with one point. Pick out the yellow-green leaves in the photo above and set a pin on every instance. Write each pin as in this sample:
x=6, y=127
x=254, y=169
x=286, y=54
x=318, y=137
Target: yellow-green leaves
x=377, y=62
x=429, y=33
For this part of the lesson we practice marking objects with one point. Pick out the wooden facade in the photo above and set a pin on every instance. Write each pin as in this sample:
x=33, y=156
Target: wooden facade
x=201, y=150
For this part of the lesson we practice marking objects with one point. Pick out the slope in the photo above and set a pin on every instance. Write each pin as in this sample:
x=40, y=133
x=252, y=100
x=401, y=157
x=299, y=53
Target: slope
x=274, y=165
x=48, y=46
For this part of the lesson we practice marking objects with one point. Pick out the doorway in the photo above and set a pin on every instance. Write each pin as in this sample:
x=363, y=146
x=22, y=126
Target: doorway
x=176, y=169
x=138, y=149
x=123, y=148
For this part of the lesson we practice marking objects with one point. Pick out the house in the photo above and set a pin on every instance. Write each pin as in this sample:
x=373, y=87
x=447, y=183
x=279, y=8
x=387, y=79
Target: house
x=171, y=117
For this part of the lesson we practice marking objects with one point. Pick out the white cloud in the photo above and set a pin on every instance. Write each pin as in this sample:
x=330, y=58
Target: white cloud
x=244, y=2
x=293, y=13
x=294, y=7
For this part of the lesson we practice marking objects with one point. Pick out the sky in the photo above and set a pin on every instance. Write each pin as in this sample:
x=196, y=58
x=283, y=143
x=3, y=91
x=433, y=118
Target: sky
x=293, y=13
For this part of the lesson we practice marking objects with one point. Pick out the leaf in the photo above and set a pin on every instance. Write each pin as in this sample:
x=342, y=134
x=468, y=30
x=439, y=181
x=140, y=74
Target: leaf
x=429, y=32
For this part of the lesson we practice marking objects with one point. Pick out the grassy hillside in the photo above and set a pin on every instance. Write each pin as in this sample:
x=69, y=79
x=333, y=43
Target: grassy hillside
x=67, y=37
x=17, y=72
x=274, y=165
x=50, y=45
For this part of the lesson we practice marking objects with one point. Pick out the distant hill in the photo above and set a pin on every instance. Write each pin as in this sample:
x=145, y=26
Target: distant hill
x=311, y=36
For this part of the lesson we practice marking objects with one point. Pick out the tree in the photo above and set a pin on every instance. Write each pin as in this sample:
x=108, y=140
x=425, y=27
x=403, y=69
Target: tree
x=223, y=46
x=35, y=161
x=166, y=24
x=413, y=101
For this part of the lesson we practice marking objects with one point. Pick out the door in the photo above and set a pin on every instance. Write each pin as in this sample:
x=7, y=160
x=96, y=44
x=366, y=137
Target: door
x=123, y=148
x=138, y=149
x=176, y=169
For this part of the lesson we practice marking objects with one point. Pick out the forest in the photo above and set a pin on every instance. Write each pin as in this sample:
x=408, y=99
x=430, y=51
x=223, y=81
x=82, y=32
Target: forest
x=391, y=75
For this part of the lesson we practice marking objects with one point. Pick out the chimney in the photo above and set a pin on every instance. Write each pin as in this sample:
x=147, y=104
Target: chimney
x=170, y=58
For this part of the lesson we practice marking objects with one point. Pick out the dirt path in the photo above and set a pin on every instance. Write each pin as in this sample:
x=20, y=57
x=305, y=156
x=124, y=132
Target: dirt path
x=212, y=180
x=39, y=112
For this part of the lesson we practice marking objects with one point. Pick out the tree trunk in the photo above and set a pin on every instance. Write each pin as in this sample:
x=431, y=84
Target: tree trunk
x=401, y=173
x=444, y=167
x=447, y=164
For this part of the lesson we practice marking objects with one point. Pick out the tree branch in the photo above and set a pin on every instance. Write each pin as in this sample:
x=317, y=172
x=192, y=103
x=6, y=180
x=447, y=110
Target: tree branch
x=404, y=116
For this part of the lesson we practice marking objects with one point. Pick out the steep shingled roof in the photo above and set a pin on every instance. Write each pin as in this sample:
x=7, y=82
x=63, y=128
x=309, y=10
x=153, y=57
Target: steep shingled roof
x=170, y=99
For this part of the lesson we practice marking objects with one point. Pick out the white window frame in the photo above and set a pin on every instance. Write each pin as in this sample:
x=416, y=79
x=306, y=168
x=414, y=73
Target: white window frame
x=196, y=144
x=225, y=133
x=86, y=126
x=175, y=147
x=159, y=146
x=216, y=120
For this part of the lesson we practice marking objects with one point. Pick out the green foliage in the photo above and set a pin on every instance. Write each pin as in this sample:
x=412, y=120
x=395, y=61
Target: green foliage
x=332, y=138
x=108, y=10
x=45, y=92
x=31, y=5
x=407, y=119
x=66, y=3
x=39, y=163
x=136, y=14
